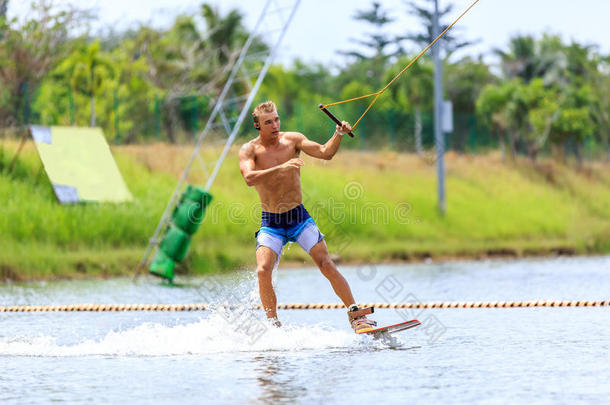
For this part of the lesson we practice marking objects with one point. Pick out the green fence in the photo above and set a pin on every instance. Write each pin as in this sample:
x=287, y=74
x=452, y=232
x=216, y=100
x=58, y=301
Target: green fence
x=181, y=119
x=392, y=129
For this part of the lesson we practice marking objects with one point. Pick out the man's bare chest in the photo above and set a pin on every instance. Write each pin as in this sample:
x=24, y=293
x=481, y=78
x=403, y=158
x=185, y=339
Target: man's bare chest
x=265, y=158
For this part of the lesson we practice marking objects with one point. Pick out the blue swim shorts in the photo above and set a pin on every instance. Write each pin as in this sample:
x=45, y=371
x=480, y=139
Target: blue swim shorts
x=295, y=225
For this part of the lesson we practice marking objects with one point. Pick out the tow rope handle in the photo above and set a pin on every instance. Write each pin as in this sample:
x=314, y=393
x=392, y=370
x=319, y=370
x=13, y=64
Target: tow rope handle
x=332, y=117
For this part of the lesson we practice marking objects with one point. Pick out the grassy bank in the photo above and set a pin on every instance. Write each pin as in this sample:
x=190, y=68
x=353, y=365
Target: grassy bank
x=372, y=207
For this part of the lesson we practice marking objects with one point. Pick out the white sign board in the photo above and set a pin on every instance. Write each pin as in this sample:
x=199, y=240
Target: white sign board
x=447, y=116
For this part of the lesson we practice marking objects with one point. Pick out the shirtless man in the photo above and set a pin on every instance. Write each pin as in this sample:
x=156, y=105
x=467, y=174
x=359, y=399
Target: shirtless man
x=272, y=165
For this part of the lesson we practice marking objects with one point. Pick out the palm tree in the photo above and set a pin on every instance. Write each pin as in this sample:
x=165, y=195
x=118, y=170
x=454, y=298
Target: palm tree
x=224, y=34
x=528, y=58
x=555, y=78
x=493, y=107
x=89, y=69
x=520, y=60
x=185, y=60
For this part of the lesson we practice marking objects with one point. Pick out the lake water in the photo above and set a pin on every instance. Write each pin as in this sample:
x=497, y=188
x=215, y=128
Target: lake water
x=230, y=355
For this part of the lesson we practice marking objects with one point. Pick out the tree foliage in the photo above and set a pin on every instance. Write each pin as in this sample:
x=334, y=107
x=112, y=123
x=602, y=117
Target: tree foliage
x=450, y=42
x=376, y=48
x=149, y=83
x=30, y=50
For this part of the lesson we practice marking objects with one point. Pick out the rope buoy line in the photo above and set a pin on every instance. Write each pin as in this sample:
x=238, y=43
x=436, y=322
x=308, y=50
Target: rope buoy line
x=203, y=307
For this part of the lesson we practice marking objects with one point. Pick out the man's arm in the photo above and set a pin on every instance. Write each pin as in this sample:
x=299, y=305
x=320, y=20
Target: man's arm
x=329, y=149
x=254, y=177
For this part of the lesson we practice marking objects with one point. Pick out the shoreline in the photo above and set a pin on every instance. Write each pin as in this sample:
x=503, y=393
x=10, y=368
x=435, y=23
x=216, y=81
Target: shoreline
x=374, y=207
x=300, y=264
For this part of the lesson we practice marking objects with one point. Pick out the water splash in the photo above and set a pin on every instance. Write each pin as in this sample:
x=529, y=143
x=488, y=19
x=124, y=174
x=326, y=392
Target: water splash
x=214, y=334
x=231, y=326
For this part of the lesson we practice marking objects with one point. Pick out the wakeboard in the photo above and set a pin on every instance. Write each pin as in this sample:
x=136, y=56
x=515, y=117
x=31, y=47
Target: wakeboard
x=388, y=330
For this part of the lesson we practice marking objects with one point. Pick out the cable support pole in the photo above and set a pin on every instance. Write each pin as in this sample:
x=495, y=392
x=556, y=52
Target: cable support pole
x=439, y=140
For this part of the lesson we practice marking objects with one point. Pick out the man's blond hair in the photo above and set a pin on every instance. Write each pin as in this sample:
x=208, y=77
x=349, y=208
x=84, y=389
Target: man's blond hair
x=266, y=107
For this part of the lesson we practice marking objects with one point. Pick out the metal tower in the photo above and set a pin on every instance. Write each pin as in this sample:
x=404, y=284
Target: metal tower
x=238, y=93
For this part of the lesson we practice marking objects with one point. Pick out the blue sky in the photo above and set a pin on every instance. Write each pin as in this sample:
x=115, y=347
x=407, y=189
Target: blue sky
x=321, y=27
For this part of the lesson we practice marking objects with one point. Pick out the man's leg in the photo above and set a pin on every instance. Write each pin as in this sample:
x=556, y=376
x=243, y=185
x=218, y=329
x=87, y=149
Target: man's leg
x=319, y=254
x=265, y=259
